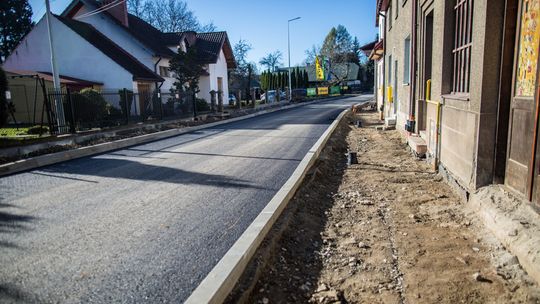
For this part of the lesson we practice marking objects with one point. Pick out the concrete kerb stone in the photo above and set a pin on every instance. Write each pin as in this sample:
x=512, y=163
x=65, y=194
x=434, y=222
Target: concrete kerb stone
x=513, y=222
x=53, y=158
x=221, y=280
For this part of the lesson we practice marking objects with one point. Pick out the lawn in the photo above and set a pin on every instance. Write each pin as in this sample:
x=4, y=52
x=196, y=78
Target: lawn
x=21, y=132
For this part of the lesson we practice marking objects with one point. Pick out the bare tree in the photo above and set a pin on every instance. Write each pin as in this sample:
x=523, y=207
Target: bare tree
x=168, y=15
x=239, y=77
x=136, y=7
x=272, y=60
x=311, y=54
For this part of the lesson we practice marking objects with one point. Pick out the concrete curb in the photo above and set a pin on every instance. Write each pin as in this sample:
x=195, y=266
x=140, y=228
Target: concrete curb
x=507, y=225
x=221, y=280
x=53, y=158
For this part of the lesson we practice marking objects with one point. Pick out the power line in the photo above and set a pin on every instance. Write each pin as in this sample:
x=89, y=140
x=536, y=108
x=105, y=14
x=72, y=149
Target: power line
x=101, y=9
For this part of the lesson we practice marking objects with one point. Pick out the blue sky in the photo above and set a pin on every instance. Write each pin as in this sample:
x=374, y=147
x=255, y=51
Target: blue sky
x=264, y=23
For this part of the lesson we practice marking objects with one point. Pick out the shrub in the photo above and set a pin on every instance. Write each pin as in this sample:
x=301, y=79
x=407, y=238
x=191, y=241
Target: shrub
x=37, y=130
x=89, y=107
x=202, y=105
x=4, y=113
x=126, y=95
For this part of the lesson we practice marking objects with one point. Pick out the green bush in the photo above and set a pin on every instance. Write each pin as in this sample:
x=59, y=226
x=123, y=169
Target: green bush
x=202, y=105
x=4, y=113
x=126, y=95
x=89, y=108
x=37, y=130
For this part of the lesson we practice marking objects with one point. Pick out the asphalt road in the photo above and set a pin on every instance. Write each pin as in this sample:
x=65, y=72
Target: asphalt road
x=147, y=223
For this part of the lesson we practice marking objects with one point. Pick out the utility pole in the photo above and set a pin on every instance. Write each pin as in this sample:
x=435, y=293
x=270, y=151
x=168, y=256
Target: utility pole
x=60, y=119
x=289, y=53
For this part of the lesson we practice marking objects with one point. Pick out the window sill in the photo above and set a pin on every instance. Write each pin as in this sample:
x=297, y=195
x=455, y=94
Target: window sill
x=406, y=84
x=457, y=96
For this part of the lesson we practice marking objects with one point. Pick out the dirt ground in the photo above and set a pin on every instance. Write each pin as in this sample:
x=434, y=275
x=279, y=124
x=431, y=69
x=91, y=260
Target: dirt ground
x=385, y=230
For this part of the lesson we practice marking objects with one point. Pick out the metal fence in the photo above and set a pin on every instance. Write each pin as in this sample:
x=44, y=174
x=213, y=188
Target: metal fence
x=90, y=109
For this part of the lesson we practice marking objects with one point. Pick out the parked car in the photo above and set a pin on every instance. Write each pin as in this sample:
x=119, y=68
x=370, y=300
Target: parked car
x=232, y=99
x=271, y=96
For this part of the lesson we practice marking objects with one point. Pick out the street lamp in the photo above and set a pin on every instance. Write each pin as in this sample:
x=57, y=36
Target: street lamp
x=289, y=53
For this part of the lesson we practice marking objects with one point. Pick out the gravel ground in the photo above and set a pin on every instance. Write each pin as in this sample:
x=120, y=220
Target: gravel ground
x=385, y=230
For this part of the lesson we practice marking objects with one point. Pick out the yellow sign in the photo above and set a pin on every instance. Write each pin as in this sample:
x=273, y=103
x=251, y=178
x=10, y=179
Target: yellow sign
x=322, y=91
x=529, y=42
x=319, y=70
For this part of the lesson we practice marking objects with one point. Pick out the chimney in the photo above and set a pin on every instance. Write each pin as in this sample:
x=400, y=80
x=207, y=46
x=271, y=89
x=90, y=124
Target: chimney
x=191, y=37
x=118, y=10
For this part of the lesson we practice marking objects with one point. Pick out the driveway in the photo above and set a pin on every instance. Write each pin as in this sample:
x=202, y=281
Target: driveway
x=147, y=223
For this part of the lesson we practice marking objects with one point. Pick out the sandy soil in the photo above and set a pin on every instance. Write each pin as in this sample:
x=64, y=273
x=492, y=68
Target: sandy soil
x=385, y=230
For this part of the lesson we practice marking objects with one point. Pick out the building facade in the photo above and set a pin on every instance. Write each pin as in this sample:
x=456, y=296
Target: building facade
x=460, y=80
x=120, y=50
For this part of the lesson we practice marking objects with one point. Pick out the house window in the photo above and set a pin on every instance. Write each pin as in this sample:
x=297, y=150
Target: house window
x=397, y=8
x=407, y=61
x=463, y=12
x=164, y=71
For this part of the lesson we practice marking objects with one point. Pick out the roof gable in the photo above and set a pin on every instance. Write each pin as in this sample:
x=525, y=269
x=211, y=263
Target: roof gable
x=208, y=45
x=111, y=49
x=139, y=29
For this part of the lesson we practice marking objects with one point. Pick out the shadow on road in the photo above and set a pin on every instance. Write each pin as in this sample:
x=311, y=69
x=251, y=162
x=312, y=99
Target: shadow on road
x=11, y=223
x=9, y=293
x=128, y=169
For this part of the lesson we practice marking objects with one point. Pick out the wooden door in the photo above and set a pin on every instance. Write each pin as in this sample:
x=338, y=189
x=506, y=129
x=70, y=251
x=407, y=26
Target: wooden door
x=523, y=106
x=144, y=96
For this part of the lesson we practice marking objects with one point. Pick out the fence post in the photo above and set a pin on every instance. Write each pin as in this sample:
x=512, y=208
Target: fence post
x=72, y=112
x=220, y=101
x=253, y=98
x=160, y=104
x=213, y=101
x=194, y=105
x=126, y=105
x=239, y=101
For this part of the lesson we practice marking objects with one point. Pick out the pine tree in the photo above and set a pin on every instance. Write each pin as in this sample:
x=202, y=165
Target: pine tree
x=296, y=78
x=15, y=23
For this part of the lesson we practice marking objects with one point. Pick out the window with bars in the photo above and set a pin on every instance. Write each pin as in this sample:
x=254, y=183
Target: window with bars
x=463, y=11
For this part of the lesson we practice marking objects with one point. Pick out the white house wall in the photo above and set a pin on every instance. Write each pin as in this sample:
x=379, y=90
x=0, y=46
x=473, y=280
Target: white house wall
x=210, y=83
x=75, y=57
x=205, y=88
x=120, y=36
x=169, y=81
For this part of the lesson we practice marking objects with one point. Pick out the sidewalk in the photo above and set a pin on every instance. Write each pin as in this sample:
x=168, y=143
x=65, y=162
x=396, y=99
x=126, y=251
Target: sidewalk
x=386, y=230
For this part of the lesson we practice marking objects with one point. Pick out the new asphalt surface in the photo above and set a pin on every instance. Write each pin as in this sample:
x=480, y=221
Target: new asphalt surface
x=147, y=223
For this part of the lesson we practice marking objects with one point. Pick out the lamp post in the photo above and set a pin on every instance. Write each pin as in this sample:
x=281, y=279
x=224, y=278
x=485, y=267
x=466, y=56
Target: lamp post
x=289, y=53
x=60, y=119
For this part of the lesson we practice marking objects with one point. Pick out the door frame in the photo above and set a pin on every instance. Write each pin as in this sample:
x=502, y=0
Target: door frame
x=529, y=191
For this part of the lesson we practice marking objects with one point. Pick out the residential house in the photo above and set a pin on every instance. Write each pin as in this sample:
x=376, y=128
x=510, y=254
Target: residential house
x=460, y=80
x=120, y=50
